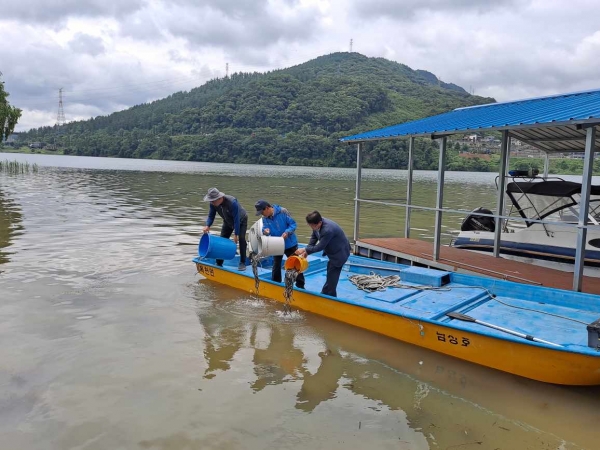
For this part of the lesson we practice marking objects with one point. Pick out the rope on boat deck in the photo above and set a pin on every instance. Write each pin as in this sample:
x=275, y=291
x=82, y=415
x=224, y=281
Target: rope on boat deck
x=375, y=282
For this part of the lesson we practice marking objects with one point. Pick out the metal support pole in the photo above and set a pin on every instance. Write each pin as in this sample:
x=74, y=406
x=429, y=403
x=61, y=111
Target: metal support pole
x=411, y=146
x=439, y=200
x=584, y=205
x=357, y=192
x=546, y=165
x=504, y=157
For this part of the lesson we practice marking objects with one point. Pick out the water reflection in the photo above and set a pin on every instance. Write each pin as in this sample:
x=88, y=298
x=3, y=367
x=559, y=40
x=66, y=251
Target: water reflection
x=280, y=361
x=447, y=401
x=220, y=347
x=323, y=384
x=11, y=225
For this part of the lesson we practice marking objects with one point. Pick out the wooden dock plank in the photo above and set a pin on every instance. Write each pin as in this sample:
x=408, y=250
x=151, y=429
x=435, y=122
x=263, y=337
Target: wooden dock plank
x=483, y=264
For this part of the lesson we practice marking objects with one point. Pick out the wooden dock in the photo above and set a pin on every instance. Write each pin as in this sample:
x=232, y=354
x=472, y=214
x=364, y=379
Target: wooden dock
x=417, y=252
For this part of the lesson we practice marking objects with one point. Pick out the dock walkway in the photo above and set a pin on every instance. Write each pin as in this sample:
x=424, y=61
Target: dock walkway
x=417, y=252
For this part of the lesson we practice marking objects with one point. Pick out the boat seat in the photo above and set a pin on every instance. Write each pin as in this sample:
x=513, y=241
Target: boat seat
x=424, y=276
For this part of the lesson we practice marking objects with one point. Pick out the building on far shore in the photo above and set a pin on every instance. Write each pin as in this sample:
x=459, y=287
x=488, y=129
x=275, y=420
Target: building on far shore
x=12, y=139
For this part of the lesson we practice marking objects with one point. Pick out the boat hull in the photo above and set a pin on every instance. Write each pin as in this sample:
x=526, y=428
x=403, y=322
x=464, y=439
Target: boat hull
x=555, y=243
x=523, y=359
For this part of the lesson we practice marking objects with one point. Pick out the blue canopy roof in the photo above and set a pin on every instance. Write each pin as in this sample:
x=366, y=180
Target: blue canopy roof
x=562, y=112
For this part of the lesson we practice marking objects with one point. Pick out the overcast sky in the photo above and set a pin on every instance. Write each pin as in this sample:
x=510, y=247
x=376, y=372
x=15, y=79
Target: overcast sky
x=109, y=55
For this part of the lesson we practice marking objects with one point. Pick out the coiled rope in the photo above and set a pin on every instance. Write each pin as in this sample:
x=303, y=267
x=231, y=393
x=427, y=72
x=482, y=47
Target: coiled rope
x=374, y=282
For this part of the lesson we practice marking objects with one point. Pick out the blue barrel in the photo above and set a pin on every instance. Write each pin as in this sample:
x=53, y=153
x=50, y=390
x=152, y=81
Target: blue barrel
x=216, y=247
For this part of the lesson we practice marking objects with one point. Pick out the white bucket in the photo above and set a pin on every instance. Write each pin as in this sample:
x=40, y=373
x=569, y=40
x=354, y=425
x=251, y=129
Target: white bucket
x=254, y=233
x=270, y=246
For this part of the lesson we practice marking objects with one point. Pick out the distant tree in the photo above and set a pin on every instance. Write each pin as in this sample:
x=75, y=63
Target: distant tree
x=9, y=115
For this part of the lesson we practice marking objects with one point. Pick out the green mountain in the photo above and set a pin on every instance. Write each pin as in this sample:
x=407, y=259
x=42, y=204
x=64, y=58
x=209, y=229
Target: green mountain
x=292, y=116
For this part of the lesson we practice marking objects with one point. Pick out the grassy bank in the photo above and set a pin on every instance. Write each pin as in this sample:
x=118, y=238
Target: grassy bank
x=39, y=151
x=16, y=167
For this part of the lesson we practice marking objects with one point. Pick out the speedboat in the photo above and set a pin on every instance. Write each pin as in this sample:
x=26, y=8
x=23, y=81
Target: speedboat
x=554, y=201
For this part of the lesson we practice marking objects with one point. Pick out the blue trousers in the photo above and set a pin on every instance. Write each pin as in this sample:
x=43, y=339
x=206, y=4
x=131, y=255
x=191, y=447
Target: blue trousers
x=333, y=276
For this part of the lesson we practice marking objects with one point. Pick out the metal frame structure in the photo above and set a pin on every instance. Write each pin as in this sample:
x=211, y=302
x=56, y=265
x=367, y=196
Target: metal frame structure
x=411, y=146
x=563, y=123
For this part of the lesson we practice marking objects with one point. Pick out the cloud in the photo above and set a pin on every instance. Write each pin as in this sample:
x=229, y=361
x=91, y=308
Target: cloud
x=109, y=55
x=95, y=79
x=240, y=27
x=85, y=44
x=407, y=9
x=56, y=12
x=540, y=48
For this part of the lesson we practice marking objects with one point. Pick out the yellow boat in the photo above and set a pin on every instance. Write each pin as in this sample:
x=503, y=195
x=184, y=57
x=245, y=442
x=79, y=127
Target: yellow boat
x=540, y=333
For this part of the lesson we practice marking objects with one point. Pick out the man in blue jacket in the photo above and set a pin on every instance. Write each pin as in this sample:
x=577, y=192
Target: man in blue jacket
x=235, y=220
x=277, y=221
x=327, y=236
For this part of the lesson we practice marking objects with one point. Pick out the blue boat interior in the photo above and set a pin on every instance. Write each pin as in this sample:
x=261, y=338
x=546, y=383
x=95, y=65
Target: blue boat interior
x=428, y=295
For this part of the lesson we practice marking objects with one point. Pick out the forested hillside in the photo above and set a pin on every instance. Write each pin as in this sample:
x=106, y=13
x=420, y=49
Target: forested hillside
x=292, y=116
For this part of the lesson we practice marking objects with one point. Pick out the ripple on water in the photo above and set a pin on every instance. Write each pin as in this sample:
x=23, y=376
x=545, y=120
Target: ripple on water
x=251, y=307
x=293, y=316
x=258, y=308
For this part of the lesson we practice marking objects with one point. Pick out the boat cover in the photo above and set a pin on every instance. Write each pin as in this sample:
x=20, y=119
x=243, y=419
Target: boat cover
x=538, y=200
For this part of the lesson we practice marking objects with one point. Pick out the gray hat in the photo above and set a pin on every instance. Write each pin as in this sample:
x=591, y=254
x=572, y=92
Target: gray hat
x=213, y=194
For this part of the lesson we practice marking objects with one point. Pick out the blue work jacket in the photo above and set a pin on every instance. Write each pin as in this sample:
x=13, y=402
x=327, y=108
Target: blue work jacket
x=279, y=223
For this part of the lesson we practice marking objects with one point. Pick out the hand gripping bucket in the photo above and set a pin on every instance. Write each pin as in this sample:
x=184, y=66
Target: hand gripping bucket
x=270, y=246
x=254, y=233
x=296, y=262
x=216, y=247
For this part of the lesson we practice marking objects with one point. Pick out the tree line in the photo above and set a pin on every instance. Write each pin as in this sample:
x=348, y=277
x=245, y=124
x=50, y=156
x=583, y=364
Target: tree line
x=292, y=116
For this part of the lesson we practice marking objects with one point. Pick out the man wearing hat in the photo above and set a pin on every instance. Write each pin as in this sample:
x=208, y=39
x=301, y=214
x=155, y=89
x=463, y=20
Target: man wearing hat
x=235, y=220
x=277, y=221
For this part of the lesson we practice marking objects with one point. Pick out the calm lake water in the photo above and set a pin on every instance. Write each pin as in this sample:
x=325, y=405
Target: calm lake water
x=110, y=340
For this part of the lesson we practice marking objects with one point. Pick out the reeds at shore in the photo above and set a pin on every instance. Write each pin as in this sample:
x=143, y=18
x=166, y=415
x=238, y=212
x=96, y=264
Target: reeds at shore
x=16, y=167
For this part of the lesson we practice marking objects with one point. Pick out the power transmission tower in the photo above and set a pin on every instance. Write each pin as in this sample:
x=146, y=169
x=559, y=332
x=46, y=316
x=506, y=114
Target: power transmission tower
x=226, y=70
x=350, y=45
x=60, y=117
